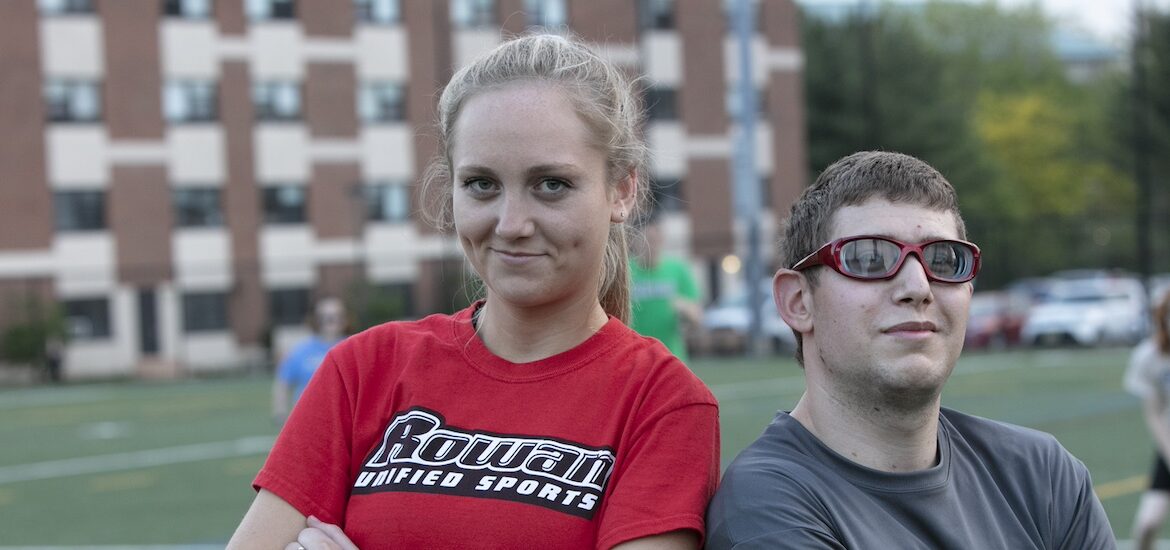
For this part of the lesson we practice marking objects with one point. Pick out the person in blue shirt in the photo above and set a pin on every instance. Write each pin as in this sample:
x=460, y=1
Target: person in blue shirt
x=292, y=375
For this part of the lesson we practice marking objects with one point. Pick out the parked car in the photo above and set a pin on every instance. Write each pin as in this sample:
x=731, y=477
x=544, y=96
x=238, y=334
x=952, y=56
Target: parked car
x=726, y=323
x=1088, y=312
x=997, y=317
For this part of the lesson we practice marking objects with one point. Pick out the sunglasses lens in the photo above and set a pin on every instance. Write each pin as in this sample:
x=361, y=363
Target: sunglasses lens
x=949, y=260
x=869, y=258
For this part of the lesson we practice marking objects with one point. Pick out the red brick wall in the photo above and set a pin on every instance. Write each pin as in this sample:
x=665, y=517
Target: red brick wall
x=605, y=21
x=334, y=211
x=141, y=220
x=331, y=18
x=132, y=90
x=330, y=99
x=26, y=208
x=242, y=207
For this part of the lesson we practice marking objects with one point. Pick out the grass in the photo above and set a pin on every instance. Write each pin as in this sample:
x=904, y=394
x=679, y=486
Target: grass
x=214, y=432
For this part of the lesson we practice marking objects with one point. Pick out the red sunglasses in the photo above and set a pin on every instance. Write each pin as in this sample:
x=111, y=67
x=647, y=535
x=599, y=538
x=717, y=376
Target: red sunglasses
x=872, y=258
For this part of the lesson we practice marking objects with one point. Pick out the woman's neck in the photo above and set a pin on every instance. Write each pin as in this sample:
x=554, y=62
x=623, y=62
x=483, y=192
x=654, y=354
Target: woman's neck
x=523, y=335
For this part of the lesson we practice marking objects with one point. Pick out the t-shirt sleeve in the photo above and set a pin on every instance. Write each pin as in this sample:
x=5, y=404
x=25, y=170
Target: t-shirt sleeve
x=757, y=507
x=669, y=475
x=308, y=466
x=1081, y=523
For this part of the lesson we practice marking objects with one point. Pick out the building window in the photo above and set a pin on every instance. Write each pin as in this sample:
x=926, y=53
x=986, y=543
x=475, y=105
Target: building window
x=288, y=306
x=73, y=100
x=550, y=14
x=668, y=195
x=656, y=14
x=473, y=14
x=79, y=210
x=662, y=103
x=277, y=100
x=377, y=11
x=188, y=9
x=197, y=207
x=381, y=102
x=189, y=101
x=87, y=318
x=387, y=202
x=58, y=7
x=284, y=204
x=205, y=311
x=263, y=10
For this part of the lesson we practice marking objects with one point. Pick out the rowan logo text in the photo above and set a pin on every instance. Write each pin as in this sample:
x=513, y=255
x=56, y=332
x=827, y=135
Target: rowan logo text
x=419, y=453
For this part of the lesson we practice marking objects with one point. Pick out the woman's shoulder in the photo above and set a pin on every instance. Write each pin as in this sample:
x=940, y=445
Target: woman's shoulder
x=399, y=336
x=647, y=358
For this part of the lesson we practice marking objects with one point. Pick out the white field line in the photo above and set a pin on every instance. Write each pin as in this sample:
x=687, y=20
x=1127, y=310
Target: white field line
x=245, y=446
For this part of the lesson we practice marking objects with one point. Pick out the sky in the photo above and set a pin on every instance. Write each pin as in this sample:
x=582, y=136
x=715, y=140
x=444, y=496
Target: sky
x=1109, y=20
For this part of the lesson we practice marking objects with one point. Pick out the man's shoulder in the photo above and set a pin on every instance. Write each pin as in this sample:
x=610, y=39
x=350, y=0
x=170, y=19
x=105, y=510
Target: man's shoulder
x=1015, y=449
x=776, y=461
x=995, y=433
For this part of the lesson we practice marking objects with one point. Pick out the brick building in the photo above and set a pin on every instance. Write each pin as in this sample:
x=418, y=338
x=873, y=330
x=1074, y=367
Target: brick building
x=181, y=176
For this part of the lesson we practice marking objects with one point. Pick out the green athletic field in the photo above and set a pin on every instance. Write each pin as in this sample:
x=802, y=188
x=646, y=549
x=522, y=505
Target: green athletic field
x=141, y=463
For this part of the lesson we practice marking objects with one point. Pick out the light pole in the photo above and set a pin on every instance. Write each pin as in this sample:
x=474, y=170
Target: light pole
x=745, y=179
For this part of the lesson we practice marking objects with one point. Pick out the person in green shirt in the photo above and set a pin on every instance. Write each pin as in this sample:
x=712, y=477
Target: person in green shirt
x=665, y=295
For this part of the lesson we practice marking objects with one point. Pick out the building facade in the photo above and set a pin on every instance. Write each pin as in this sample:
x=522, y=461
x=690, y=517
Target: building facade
x=181, y=177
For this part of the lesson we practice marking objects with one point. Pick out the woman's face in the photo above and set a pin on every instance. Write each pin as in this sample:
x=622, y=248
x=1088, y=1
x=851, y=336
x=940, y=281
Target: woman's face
x=532, y=204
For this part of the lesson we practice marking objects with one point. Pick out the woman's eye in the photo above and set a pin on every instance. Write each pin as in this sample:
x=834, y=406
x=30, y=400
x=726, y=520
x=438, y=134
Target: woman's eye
x=479, y=185
x=552, y=186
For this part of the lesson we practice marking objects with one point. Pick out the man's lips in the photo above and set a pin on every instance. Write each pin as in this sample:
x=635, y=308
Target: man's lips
x=913, y=326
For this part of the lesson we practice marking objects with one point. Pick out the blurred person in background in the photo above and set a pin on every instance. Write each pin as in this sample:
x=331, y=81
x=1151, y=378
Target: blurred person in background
x=1148, y=377
x=534, y=418
x=329, y=326
x=665, y=295
x=877, y=289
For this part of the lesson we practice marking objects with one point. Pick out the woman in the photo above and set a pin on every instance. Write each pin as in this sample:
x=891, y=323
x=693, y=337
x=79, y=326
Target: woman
x=1148, y=377
x=534, y=418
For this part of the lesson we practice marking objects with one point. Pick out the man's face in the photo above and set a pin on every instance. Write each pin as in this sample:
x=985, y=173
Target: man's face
x=895, y=340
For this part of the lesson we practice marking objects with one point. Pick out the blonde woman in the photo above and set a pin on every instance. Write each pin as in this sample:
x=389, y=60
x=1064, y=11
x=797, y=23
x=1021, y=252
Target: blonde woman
x=535, y=418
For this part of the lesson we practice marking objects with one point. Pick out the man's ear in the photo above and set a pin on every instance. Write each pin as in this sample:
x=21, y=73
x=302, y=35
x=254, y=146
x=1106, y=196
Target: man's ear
x=793, y=296
x=623, y=196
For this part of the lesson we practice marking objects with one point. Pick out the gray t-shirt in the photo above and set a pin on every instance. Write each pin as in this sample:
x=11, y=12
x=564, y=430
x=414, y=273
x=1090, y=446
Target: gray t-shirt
x=996, y=486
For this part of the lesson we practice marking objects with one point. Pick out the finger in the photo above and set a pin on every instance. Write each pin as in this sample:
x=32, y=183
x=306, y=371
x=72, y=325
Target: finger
x=334, y=532
x=294, y=546
x=312, y=538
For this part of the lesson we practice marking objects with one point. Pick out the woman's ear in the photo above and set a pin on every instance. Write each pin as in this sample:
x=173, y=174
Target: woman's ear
x=624, y=196
x=793, y=296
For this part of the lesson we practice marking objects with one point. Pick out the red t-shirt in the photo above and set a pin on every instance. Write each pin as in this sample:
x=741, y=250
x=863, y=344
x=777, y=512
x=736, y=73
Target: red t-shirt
x=414, y=435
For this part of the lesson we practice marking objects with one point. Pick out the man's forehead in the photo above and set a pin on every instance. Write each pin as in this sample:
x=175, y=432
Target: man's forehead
x=900, y=220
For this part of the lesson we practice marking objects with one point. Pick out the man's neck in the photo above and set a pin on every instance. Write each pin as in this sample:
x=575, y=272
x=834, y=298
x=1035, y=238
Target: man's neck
x=876, y=437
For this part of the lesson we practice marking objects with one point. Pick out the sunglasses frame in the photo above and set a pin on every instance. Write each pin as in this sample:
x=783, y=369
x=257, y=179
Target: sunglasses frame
x=830, y=255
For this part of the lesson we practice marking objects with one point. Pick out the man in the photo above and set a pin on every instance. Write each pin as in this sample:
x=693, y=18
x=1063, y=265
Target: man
x=877, y=292
x=664, y=294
